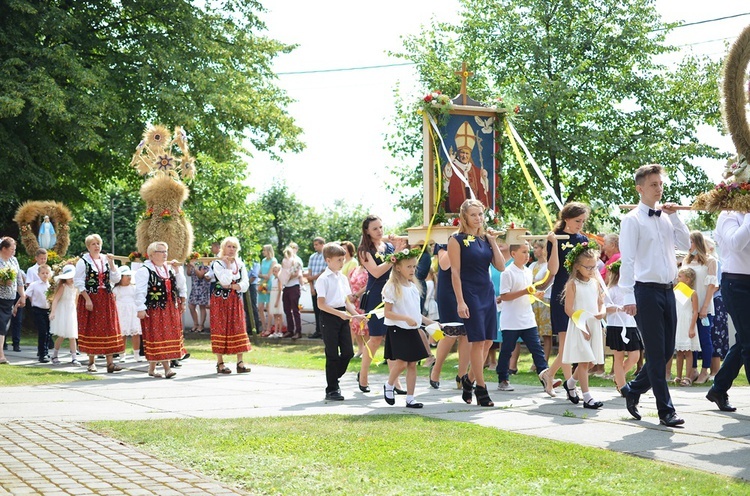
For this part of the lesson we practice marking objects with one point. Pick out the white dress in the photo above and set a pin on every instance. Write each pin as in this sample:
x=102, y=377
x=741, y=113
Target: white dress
x=130, y=324
x=577, y=348
x=430, y=305
x=705, y=275
x=65, y=323
x=273, y=308
x=684, y=319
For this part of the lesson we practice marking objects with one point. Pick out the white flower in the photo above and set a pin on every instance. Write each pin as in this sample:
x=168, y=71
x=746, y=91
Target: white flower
x=405, y=251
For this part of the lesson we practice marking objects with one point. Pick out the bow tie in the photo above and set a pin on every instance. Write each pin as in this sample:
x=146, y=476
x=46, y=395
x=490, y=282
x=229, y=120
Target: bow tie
x=652, y=212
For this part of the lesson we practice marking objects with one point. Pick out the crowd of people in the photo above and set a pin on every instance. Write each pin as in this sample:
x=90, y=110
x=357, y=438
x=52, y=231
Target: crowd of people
x=649, y=293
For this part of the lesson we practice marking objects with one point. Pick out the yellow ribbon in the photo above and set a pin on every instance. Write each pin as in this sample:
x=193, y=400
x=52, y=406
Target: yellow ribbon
x=526, y=173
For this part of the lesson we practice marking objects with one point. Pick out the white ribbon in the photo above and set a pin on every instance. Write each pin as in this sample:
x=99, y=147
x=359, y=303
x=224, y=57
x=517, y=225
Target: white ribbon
x=456, y=170
x=623, y=335
x=533, y=163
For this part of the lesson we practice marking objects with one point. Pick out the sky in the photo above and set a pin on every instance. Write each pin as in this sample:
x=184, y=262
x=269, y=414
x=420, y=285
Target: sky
x=345, y=113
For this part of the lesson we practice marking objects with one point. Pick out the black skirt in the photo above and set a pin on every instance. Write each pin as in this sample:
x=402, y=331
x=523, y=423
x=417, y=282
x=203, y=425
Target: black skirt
x=616, y=343
x=404, y=344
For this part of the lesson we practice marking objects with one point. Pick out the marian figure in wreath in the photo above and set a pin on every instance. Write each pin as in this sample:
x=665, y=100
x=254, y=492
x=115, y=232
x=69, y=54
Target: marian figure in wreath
x=47, y=237
x=474, y=178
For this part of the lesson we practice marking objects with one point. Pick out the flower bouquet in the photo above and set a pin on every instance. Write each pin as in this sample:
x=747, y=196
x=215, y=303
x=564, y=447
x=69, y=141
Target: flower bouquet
x=7, y=276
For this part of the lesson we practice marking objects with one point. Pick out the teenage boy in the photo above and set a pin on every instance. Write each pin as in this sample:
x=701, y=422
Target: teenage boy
x=32, y=273
x=517, y=318
x=36, y=295
x=648, y=237
x=332, y=288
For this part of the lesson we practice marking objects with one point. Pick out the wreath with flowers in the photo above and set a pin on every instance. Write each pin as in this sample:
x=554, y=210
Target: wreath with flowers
x=570, y=258
x=404, y=255
x=615, y=267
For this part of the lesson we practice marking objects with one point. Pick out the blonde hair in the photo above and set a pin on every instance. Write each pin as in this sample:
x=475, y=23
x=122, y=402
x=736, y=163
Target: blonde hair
x=229, y=239
x=92, y=237
x=397, y=281
x=269, y=251
x=463, y=219
x=689, y=274
x=153, y=246
x=700, y=245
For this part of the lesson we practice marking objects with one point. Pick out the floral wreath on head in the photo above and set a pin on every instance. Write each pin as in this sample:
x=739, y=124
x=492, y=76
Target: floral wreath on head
x=403, y=255
x=570, y=258
x=615, y=267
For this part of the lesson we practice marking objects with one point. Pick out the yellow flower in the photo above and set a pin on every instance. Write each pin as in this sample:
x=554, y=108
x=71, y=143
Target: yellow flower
x=469, y=239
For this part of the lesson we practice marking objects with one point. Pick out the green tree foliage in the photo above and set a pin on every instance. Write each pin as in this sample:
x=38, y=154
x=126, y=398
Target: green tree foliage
x=343, y=223
x=289, y=220
x=79, y=81
x=219, y=206
x=595, y=100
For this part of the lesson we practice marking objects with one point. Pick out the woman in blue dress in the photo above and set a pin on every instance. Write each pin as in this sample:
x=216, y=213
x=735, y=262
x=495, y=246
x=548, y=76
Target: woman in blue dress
x=471, y=250
x=373, y=254
x=571, y=220
x=450, y=322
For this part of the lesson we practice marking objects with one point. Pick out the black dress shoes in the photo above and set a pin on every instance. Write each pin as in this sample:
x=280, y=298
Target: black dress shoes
x=721, y=400
x=631, y=402
x=390, y=401
x=334, y=396
x=414, y=404
x=671, y=420
x=399, y=391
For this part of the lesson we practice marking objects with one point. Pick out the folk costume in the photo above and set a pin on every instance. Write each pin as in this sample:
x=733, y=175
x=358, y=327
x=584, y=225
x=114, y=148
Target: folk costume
x=98, y=329
x=158, y=291
x=228, y=328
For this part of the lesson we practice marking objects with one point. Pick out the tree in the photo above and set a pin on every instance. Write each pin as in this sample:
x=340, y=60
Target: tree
x=342, y=222
x=219, y=206
x=80, y=80
x=289, y=220
x=595, y=102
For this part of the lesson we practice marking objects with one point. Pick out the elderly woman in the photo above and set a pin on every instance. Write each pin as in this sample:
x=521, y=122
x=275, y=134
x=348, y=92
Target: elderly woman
x=98, y=325
x=610, y=250
x=228, y=330
x=9, y=288
x=160, y=290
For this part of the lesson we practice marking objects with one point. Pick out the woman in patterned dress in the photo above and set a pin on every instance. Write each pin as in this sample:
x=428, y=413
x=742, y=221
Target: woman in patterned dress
x=200, y=292
x=228, y=329
x=160, y=290
x=9, y=289
x=98, y=324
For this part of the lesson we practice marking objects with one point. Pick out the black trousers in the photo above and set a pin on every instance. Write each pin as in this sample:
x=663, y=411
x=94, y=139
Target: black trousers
x=657, y=320
x=337, y=340
x=41, y=321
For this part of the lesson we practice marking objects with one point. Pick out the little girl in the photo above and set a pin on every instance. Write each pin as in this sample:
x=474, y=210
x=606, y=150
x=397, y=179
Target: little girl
x=275, y=308
x=686, y=338
x=622, y=333
x=584, y=344
x=62, y=316
x=403, y=316
x=130, y=324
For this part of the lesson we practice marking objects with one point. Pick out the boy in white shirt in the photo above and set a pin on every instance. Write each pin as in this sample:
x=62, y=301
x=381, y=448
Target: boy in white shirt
x=32, y=273
x=36, y=295
x=517, y=318
x=332, y=288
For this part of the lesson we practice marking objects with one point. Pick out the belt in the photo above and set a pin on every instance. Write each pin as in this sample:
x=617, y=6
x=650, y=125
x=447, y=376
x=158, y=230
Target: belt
x=655, y=285
x=735, y=277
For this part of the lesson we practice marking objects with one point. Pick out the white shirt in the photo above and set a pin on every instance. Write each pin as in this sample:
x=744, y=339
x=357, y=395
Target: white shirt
x=647, y=248
x=32, y=274
x=236, y=273
x=619, y=318
x=516, y=314
x=79, y=279
x=732, y=235
x=37, y=294
x=141, y=284
x=408, y=304
x=334, y=287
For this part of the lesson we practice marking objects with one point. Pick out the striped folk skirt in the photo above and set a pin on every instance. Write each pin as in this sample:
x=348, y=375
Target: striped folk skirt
x=228, y=330
x=162, y=333
x=99, y=329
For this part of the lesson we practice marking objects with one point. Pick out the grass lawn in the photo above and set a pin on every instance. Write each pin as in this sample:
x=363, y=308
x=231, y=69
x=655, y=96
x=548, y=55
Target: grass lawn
x=401, y=454
x=34, y=376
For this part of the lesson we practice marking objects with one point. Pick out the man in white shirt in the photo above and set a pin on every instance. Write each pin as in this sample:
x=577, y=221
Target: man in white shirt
x=648, y=237
x=733, y=237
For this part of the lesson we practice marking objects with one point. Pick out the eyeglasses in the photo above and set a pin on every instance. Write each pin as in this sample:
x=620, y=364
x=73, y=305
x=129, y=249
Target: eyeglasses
x=589, y=268
x=160, y=251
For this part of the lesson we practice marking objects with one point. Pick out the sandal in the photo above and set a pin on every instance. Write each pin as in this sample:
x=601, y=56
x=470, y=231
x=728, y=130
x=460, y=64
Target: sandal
x=468, y=389
x=221, y=369
x=111, y=368
x=677, y=381
x=483, y=397
x=155, y=374
x=241, y=369
x=170, y=374
x=91, y=367
x=686, y=382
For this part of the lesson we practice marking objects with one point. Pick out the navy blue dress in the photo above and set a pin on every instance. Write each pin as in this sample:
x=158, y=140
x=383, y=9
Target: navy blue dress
x=446, y=300
x=478, y=292
x=374, y=292
x=558, y=317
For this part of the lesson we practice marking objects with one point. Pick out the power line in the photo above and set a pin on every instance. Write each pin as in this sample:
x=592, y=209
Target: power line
x=705, y=21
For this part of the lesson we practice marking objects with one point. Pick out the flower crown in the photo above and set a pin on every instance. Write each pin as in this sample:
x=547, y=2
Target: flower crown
x=615, y=267
x=404, y=254
x=570, y=258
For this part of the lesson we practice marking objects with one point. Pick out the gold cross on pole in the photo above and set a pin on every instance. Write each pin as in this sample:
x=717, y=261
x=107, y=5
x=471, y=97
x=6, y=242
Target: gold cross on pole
x=464, y=73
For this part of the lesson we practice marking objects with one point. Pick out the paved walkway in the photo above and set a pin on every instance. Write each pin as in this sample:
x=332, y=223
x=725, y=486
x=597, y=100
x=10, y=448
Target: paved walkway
x=39, y=425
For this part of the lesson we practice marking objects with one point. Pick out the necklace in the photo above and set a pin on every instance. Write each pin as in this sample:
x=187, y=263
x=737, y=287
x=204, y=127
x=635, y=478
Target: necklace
x=166, y=279
x=100, y=270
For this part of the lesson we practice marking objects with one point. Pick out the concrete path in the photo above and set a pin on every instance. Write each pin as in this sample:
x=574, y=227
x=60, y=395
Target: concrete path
x=711, y=440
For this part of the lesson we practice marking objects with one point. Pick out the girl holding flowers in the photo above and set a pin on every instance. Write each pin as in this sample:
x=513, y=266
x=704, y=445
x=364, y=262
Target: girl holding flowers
x=10, y=285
